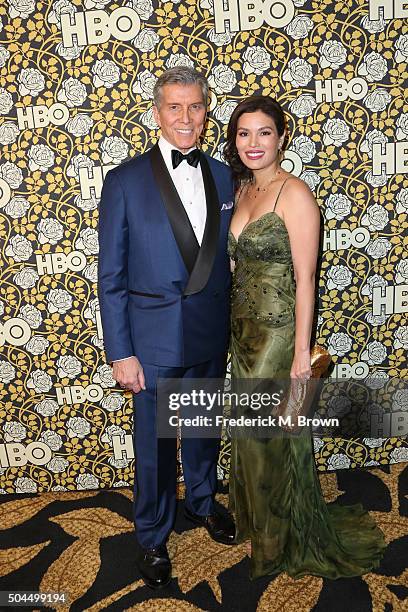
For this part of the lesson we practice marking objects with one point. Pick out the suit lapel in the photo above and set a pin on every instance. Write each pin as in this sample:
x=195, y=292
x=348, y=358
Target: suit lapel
x=205, y=259
x=179, y=221
x=198, y=260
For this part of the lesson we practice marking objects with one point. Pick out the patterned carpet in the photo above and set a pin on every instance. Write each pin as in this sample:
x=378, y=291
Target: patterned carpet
x=82, y=543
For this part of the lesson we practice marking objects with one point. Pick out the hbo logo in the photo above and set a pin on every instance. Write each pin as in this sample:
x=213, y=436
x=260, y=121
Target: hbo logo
x=15, y=454
x=344, y=238
x=77, y=394
x=14, y=331
x=58, y=263
x=95, y=27
x=41, y=116
x=358, y=370
x=250, y=15
x=333, y=90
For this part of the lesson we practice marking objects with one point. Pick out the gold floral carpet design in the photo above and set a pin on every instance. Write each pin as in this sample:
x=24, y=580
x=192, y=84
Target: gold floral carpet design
x=82, y=543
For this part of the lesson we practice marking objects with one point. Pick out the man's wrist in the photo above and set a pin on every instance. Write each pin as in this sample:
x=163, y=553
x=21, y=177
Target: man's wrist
x=123, y=359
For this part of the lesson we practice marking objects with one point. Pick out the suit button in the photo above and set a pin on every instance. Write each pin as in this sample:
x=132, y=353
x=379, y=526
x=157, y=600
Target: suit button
x=216, y=294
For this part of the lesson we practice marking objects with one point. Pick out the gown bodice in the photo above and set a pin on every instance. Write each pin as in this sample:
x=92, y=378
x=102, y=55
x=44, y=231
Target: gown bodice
x=263, y=284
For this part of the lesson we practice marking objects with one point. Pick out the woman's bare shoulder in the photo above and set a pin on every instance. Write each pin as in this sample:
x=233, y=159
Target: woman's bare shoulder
x=298, y=194
x=294, y=183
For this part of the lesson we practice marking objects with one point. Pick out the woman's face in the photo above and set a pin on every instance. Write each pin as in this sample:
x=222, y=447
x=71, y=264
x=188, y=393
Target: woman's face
x=257, y=140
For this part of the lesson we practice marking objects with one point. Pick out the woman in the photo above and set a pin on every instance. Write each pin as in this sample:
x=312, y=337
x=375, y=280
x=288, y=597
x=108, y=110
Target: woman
x=274, y=235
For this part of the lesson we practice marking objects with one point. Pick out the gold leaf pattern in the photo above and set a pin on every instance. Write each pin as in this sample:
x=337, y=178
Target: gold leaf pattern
x=391, y=524
x=12, y=559
x=93, y=523
x=328, y=482
x=107, y=601
x=197, y=558
x=287, y=594
x=21, y=510
x=73, y=572
x=381, y=594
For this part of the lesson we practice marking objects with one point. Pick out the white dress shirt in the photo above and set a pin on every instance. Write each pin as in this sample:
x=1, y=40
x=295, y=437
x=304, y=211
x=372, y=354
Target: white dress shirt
x=190, y=187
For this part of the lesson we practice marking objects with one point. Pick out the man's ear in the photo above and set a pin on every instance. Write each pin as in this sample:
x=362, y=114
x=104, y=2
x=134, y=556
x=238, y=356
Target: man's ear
x=156, y=115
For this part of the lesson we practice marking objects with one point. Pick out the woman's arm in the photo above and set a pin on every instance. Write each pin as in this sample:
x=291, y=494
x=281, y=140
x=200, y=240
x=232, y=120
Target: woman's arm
x=302, y=218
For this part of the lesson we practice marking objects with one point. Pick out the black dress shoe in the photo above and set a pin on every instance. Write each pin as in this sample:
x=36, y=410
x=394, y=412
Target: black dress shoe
x=221, y=528
x=154, y=566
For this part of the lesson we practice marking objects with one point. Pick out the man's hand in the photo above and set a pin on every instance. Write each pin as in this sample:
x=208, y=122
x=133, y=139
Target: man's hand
x=129, y=374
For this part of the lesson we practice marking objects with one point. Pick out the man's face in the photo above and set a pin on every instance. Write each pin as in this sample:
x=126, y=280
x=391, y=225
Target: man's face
x=181, y=115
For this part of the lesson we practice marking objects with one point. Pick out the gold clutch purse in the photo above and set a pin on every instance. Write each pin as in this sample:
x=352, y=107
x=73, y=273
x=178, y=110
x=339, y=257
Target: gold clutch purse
x=297, y=401
x=320, y=359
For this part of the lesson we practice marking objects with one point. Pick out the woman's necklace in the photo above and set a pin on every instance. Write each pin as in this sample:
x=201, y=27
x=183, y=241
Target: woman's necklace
x=253, y=192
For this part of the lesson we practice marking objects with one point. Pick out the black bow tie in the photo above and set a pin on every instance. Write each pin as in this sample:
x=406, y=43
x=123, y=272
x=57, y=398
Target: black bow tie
x=191, y=158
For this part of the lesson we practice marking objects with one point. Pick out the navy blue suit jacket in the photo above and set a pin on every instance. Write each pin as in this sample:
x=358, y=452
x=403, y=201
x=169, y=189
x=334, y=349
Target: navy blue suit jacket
x=149, y=307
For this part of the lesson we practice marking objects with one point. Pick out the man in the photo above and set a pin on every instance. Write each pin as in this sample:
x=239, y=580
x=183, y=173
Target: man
x=164, y=285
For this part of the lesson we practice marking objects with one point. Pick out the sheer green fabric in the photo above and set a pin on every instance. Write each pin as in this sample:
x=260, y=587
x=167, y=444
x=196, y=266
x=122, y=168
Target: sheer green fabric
x=274, y=487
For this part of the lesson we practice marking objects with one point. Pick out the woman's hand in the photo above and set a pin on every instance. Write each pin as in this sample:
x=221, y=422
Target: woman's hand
x=301, y=368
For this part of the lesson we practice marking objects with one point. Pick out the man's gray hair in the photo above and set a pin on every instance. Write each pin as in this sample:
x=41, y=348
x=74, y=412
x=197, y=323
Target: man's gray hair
x=181, y=75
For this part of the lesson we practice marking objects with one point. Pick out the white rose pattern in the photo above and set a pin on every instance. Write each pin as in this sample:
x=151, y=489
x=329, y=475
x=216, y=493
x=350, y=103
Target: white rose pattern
x=40, y=381
x=375, y=353
x=7, y=371
x=338, y=206
x=376, y=218
x=146, y=40
x=401, y=271
x=49, y=231
x=222, y=79
x=87, y=481
x=373, y=67
x=59, y=301
x=339, y=277
x=47, y=408
x=26, y=278
x=14, y=431
x=298, y=72
x=37, y=345
x=303, y=106
x=31, y=315
x=52, y=439
x=335, y=132
x=68, y=366
x=144, y=84
x=256, y=60
x=299, y=27
x=333, y=54
x=19, y=248
x=377, y=100
x=16, y=207
x=78, y=427
x=339, y=344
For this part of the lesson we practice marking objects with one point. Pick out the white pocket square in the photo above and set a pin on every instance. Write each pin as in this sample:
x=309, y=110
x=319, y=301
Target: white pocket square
x=227, y=205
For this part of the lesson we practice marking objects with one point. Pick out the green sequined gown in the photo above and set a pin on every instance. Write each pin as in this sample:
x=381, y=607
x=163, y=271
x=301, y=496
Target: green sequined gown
x=275, y=492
